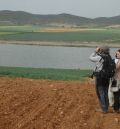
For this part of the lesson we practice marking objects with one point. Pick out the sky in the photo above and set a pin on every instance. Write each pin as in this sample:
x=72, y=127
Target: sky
x=84, y=8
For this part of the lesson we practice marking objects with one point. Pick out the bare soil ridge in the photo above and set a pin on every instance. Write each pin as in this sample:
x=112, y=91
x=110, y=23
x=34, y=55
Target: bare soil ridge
x=45, y=104
x=72, y=44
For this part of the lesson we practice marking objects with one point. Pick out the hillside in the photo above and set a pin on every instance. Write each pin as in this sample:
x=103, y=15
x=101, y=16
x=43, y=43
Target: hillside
x=22, y=18
x=45, y=104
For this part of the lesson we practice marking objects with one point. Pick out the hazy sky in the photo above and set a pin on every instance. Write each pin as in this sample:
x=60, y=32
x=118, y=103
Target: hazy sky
x=85, y=8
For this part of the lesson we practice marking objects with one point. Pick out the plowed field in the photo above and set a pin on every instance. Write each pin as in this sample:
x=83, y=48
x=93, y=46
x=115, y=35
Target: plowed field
x=45, y=104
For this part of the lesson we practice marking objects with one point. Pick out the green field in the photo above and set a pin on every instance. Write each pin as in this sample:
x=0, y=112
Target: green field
x=39, y=73
x=34, y=33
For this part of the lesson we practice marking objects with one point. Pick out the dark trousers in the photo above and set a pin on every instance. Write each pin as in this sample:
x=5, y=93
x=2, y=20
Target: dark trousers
x=116, y=105
x=102, y=85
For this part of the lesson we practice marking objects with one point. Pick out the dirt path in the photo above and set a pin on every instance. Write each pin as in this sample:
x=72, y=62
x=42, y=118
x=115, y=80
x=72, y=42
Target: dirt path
x=44, y=104
x=60, y=43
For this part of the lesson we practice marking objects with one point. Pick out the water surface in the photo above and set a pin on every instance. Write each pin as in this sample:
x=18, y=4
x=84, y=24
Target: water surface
x=46, y=56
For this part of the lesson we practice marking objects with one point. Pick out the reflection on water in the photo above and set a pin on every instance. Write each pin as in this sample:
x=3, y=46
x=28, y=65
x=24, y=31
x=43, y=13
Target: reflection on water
x=46, y=56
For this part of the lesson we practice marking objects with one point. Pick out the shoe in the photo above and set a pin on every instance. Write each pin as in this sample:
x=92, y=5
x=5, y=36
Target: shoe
x=100, y=110
x=116, y=111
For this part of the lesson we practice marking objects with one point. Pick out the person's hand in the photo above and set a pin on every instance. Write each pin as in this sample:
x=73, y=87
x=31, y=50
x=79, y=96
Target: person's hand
x=97, y=50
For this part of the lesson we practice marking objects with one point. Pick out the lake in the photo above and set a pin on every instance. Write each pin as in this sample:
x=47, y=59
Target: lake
x=46, y=56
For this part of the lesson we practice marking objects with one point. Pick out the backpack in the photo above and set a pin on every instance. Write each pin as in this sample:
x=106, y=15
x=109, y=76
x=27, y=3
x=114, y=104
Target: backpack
x=109, y=66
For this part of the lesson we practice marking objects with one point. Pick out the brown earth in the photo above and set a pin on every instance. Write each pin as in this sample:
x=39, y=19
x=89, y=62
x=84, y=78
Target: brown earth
x=61, y=43
x=45, y=104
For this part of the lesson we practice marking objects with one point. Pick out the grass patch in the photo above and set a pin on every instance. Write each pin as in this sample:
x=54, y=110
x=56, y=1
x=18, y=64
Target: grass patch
x=43, y=73
x=39, y=33
x=7, y=33
x=89, y=36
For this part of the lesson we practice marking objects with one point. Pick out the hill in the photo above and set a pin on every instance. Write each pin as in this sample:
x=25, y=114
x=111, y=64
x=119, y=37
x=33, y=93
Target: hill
x=22, y=18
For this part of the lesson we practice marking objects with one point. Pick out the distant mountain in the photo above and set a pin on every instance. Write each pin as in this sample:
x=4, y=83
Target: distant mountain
x=107, y=20
x=22, y=18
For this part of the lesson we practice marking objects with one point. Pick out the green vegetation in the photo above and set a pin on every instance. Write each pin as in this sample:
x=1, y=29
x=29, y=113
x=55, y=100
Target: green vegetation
x=7, y=33
x=25, y=28
x=39, y=73
x=33, y=33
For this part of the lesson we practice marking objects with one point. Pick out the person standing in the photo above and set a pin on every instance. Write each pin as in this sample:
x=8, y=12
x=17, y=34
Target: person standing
x=116, y=89
x=101, y=82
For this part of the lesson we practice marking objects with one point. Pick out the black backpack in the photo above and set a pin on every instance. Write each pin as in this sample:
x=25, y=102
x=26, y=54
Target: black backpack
x=109, y=66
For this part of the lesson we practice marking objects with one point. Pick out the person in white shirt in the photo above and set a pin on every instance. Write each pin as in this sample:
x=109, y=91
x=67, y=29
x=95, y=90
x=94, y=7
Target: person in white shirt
x=116, y=89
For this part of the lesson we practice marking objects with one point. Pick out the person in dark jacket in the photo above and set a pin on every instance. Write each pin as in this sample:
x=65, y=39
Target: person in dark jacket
x=101, y=82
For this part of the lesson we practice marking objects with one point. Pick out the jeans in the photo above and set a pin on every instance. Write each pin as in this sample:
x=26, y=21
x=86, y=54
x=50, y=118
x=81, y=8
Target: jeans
x=116, y=105
x=102, y=85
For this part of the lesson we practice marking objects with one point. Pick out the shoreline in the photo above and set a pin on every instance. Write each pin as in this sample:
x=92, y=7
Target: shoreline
x=60, y=43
